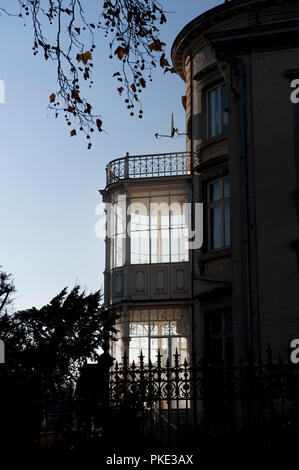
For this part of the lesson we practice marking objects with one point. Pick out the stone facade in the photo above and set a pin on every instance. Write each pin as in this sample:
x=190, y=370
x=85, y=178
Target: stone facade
x=253, y=48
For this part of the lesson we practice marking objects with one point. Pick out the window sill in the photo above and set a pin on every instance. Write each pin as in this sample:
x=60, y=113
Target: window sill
x=211, y=141
x=215, y=254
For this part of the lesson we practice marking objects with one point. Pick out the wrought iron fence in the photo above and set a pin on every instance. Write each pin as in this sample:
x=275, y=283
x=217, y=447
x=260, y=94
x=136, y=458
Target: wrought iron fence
x=148, y=166
x=165, y=404
x=177, y=401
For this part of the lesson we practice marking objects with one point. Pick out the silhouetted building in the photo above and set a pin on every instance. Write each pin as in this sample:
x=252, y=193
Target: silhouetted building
x=237, y=60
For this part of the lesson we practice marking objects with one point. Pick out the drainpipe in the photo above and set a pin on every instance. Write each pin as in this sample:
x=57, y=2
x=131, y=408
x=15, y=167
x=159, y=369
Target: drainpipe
x=192, y=204
x=240, y=67
x=245, y=229
x=193, y=356
x=244, y=190
x=191, y=196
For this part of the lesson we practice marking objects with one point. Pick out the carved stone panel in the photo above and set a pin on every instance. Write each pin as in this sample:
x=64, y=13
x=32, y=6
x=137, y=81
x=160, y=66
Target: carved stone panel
x=180, y=281
x=140, y=282
x=151, y=282
x=160, y=281
x=118, y=284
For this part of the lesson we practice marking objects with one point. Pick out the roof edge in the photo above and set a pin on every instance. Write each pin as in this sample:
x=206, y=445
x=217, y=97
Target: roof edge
x=199, y=24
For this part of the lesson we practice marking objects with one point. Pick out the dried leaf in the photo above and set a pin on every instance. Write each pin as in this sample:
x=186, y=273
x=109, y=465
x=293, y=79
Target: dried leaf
x=164, y=62
x=142, y=82
x=171, y=70
x=52, y=97
x=75, y=96
x=133, y=87
x=157, y=45
x=99, y=125
x=120, y=90
x=85, y=57
x=120, y=52
x=73, y=132
x=88, y=108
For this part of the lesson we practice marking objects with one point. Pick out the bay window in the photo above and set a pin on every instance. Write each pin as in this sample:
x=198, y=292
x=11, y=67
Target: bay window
x=158, y=226
x=160, y=330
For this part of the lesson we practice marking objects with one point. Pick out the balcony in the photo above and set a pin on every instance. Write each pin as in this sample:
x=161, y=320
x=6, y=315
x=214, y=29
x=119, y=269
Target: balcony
x=148, y=166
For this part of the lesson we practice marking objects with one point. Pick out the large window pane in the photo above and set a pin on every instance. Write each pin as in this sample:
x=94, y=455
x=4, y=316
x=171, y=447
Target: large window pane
x=178, y=216
x=165, y=247
x=155, y=217
x=155, y=246
x=219, y=210
x=219, y=340
x=154, y=349
x=216, y=227
x=179, y=245
x=179, y=345
x=138, y=344
x=164, y=351
x=139, y=214
x=139, y=329
x=227, y=225
x=215, y=191
x=226, y=189
x=118, y=229
x=160, y=248
x=217, y=111
x=119, y=247
x=140, y=247
x=163, y=330
x=159, y=212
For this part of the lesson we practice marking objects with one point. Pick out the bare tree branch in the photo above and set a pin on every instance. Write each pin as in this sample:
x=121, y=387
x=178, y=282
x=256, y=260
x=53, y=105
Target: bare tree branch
x=63, y=33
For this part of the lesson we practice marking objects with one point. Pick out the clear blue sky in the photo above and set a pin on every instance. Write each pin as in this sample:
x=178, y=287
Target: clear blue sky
x=48, y=181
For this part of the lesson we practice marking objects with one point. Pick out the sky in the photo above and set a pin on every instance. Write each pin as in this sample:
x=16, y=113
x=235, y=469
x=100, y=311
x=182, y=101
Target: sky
x=49, y=182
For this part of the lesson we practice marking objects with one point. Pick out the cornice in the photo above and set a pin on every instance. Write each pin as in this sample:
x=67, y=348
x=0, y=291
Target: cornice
x=211, y=17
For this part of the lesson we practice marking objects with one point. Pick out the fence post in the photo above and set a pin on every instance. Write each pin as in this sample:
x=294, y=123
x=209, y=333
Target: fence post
x=2, y=352
x=127, y=166
x=105, y=363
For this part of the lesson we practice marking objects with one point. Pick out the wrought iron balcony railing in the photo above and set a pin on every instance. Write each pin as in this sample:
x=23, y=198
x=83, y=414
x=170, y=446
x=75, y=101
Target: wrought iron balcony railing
x=148, y=166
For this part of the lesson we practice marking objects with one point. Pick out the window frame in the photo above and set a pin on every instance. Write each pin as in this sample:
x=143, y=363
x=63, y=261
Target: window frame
x=158, y=318
x=170, y=228
x=118, y=217
x=222, y=202
x=221, y=110
x=223, y=335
